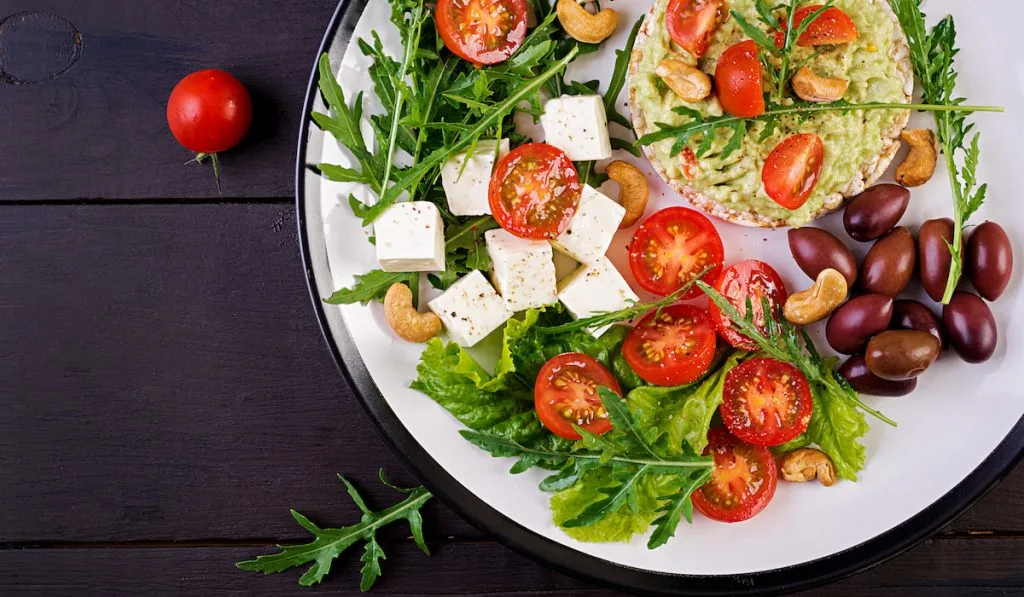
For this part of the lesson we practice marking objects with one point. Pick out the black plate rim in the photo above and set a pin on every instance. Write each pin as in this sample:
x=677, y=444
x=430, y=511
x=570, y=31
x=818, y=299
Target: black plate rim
x=568, y=560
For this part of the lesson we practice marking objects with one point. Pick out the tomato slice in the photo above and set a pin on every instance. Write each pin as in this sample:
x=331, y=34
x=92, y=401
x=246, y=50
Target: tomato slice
x=740, y=81
x=766, y=402
x=535, y=191
x=482, y=31
x=566, y=394
x=792, y=169
x=742, y=483
x=754, y=279
x=692, y=23
x=671, y=248
x=832, y=27
x=671, y=347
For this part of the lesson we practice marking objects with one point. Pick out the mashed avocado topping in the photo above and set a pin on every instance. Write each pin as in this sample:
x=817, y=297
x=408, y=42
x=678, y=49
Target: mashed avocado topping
x=853, y=141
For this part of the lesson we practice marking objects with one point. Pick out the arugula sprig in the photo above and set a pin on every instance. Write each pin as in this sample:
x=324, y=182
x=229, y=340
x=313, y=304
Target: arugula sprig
x=836, y=424
x=932, y=55
x=783, y=341
x=778, y=69
x=626, y=314
x=708, y=128
x=626, y=454
x=332, y=542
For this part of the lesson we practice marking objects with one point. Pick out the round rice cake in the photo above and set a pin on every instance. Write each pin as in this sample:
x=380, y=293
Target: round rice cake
x=859, y=145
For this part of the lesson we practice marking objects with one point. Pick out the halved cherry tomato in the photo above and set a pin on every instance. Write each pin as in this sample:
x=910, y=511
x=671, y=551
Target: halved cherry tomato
x=671, y=248
x=566, y=394
x=535, y=191
x=742, y=483
x=482, y=31
x=754, y=279
x=692, y=23
x=740, y=81
x=671, y=347
x=791, y=170
x=766, y=402
x=832, y=27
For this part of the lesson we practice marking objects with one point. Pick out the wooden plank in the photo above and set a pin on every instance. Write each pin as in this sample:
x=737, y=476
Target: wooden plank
x=953, y=567
x=164, y=378
x=100, y=97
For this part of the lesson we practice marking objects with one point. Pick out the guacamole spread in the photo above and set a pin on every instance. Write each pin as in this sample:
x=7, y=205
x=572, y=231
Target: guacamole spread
x=858, y=144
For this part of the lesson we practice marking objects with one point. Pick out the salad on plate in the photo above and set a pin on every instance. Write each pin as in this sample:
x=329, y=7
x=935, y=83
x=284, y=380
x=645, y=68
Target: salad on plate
x=494, y=186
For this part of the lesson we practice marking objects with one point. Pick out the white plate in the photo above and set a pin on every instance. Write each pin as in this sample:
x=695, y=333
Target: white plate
x=957, y=433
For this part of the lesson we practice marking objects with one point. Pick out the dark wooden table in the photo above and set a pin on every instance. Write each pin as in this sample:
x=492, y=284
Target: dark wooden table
x=165, y=395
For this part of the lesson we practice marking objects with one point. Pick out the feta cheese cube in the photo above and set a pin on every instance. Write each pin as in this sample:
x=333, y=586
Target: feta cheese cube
x=410, y=238
x=577, y=125
x=466, y=189
x=592, y=228
x=522, y=270
x=470, y=309
x=595, y=289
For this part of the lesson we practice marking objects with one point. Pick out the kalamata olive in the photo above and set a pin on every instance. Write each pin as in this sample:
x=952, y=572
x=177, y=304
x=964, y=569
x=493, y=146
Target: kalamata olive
x=933, y=255
x=901, y=354
x=889, y=265
x=815, y=250
x=989, y=260
x=876, y=211
x=853, y=324
x=856, y=372
x=912, y=315
x=970, y=327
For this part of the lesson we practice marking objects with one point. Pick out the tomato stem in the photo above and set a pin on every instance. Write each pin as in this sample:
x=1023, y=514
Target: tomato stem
x=201, y=157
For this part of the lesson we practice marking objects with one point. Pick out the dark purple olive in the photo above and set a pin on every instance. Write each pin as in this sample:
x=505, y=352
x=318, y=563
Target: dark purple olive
x=889, y=264
x=970, y=327
x=989, y=262
x=912, y=315
x=853, y=324
x=901, y=354
x=856, y=372
x=875, y=212
x=933, y=255
x=815, y=250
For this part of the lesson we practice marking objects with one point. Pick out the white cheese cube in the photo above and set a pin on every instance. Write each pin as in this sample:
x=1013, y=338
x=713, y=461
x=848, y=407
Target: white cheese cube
x=577, y=125
x=592, y=228
x=466, y=189
x=596, y=289
x=410, y=238
x=470, y=309
x=522, y=270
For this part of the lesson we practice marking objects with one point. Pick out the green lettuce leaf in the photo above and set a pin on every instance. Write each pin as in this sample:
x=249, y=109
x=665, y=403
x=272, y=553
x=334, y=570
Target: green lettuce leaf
x=620, y=525
x=683, y=413
x=836, y=426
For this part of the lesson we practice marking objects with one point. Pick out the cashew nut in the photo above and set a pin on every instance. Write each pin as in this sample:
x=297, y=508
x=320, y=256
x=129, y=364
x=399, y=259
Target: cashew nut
x=806, y=464
x=584, y=26
x=634, y=190
x=812, y=87
x=407, y=322
x=688, y=82
x=818, y=301
x=919, y=166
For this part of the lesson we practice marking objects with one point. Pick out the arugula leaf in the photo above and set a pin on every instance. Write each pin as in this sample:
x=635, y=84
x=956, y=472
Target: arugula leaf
x=618, y=78
x=678, y=505
x=332, y=542
x=371, y=286
x=932, y=55
x=707, y=127
x=626, y=314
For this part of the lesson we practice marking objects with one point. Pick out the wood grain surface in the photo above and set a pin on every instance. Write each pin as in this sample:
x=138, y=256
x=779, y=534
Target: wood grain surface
x=165, y=394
